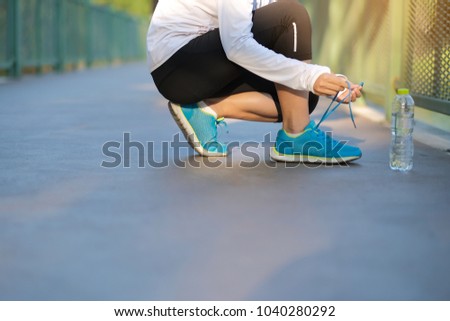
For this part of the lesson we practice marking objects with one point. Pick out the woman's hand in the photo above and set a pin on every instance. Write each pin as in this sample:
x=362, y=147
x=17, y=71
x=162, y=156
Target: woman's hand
x=330, y=85
x=356, y=93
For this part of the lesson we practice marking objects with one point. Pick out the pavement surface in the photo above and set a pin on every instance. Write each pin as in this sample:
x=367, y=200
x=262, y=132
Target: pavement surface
x=181, y=227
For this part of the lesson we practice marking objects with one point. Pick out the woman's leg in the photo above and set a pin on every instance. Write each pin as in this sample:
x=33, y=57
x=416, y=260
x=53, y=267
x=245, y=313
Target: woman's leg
x=251, y=106
x=276, y=26
x=294, y=107
x=232, y=92
x=229, y=89
x=257, y=106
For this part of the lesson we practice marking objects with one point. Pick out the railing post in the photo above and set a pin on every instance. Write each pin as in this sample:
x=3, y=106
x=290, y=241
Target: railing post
x=397, y=37
x=89, y=36
x=39, y=38
x=16, y=24
x=110, y=29
x=60, y=34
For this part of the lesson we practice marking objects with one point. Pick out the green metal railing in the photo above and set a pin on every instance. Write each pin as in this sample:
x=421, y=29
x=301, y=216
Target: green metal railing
x=61, y=33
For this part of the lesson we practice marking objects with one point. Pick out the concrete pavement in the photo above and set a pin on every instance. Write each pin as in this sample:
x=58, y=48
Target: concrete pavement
x=71, y=229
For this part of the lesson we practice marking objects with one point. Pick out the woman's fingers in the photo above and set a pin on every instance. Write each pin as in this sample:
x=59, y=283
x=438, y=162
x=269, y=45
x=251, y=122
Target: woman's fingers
x=329, y=84
x=356, y=93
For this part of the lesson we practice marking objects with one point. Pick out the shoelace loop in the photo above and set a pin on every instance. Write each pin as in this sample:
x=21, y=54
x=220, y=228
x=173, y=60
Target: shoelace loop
x=220, y=123
x=332, y=108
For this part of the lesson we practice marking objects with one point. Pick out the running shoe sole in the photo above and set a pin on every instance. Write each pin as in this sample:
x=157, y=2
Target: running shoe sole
x=279, y=157
x=189, y=133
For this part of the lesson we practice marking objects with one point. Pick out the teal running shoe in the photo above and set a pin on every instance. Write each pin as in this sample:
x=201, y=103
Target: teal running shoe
x=312, y=146
x=199, y=124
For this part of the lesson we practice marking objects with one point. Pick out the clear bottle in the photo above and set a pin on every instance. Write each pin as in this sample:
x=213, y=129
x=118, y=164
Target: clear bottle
x=402, y=126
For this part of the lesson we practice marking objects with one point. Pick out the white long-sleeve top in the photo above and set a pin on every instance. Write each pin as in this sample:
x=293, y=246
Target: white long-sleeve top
x=176, y=22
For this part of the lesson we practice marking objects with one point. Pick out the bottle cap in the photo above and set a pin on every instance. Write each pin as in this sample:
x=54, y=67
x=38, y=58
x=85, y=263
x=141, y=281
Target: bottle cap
x=403, y=91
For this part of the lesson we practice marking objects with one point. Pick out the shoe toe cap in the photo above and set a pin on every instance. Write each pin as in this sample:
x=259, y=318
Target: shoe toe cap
x=351, y=151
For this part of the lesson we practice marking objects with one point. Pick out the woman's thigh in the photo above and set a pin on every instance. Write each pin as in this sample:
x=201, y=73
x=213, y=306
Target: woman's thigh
x=284, y=27
x=197, y=71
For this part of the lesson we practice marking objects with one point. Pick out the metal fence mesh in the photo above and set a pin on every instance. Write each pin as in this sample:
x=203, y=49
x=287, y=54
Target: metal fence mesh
x=427, y=69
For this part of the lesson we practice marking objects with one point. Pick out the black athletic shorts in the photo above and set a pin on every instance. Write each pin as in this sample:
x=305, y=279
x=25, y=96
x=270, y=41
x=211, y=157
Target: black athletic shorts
x=201, y=69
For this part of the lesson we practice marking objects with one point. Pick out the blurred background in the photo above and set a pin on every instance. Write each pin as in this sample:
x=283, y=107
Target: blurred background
x=388, y=44
x=44, y=35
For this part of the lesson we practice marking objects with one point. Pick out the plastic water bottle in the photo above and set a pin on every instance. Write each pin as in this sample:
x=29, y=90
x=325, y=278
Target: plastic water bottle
x=402, y=126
